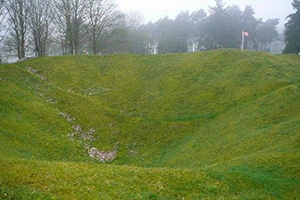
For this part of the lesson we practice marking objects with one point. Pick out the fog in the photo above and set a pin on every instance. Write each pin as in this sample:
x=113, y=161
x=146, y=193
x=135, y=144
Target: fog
x=29, y=28
x=152, y=10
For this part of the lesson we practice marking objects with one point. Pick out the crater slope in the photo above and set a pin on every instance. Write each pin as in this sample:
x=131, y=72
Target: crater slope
x=220, y=124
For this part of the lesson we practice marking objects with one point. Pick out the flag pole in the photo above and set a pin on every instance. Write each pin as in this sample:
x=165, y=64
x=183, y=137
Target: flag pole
x=243, y=40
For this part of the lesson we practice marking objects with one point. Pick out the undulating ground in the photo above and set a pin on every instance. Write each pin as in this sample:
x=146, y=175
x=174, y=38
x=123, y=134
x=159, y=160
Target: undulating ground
x=220, y=124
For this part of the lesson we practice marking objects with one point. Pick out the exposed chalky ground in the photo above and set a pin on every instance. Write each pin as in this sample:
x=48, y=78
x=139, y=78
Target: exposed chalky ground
x=85, y=138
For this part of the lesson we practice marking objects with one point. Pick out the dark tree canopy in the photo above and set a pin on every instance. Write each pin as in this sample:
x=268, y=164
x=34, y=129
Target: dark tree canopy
x=292, y=32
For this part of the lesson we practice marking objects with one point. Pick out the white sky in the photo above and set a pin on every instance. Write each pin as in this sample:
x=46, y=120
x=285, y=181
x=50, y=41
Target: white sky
x=153, y=10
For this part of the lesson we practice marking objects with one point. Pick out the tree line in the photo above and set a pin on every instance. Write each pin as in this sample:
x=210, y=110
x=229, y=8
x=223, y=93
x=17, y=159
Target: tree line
x=74, y=25
x=221, y=27
x=47, y=27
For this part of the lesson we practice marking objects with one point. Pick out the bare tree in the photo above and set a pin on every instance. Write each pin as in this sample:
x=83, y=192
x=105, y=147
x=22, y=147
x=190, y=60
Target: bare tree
x=103, y=20
x=41, y=24
x=70, y=20
x=134, y=20
x=18, y=12
x=2, y=25
x=3, y=29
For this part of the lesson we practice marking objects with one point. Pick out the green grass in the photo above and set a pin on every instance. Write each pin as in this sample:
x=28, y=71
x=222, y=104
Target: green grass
x=220, y=124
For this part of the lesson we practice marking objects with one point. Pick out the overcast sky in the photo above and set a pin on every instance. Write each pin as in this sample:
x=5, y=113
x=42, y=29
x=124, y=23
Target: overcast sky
x=156, y=9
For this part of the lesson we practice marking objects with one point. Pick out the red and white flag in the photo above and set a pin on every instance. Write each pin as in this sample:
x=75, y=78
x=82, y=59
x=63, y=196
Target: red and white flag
x=246, y=33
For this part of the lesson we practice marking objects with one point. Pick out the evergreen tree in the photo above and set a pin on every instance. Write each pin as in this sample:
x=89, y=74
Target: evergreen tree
x=198, y=20
x=292, y=32
x=250, y=24
x=266, y=33
x=216, y=26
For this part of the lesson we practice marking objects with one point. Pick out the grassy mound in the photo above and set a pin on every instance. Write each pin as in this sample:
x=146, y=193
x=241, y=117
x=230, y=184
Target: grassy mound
x=214, y=125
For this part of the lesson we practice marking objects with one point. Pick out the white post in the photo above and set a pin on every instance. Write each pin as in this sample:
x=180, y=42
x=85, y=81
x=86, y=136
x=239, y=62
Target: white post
x=243, y=39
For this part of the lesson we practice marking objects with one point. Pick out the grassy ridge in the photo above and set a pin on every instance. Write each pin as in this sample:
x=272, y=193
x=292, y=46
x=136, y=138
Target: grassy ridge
x=228, y=120
x=63, y=180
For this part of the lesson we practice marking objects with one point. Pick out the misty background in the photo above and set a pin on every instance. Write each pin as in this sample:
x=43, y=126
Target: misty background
x=30, y=28
x=153, y=10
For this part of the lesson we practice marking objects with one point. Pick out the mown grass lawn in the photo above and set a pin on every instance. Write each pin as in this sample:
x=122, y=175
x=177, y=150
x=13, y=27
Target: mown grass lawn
x=221, y=124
